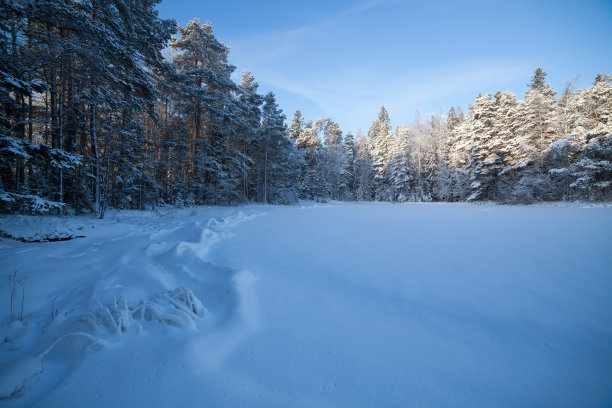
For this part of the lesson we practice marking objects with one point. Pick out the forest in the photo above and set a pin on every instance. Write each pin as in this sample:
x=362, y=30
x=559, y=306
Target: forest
x=103, y=104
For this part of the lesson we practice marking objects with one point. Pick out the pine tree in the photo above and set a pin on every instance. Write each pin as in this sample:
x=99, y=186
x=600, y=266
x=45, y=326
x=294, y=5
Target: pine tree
x=92, y=117
x=297, y=125
x=280, y=168
x=364, y=170
x=331, y=132
x=94, y=59
x=332, y=159
x=311, y=146
x=217, y=164
x=537, y=80
x=250, y=104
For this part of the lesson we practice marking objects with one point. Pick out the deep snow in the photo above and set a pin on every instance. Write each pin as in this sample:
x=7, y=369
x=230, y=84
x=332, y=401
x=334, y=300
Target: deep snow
x=325, y=305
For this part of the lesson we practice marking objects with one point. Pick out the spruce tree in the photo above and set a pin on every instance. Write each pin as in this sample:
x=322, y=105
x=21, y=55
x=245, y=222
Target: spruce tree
x=350, y=152
x=297, y=125
x=380, y=133
x=364, y=170
x=280, y=168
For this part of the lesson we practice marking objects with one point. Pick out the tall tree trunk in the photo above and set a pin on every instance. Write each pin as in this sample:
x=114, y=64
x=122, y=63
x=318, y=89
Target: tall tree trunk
x=107, y=176
x=266, y=173
x=96, y=153
x=30, y=130
x=61, y=136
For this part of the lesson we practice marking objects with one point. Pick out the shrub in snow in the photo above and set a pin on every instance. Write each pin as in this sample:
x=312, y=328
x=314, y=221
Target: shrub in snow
x=178, y=308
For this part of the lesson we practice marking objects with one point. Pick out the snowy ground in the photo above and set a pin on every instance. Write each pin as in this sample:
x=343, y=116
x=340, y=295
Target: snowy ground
x=333, y=305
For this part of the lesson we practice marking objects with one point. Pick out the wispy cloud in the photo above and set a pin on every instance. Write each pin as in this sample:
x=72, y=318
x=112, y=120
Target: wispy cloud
x=353, y=94
x=305, y=62
x=263, y=47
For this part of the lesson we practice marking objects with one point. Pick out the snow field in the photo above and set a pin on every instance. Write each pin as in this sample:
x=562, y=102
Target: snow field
x=326, y=305
x=105, y=288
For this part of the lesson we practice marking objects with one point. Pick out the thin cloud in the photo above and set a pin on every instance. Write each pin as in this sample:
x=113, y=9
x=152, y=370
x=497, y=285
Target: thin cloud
x=351, y=86
x=265, y=46
x=364, y=91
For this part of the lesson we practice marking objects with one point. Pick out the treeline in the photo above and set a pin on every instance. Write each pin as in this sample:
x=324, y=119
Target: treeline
x=93, y=116
x=541, y=148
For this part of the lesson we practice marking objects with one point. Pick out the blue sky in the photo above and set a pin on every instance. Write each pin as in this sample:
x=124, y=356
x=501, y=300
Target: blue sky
x=345, y=59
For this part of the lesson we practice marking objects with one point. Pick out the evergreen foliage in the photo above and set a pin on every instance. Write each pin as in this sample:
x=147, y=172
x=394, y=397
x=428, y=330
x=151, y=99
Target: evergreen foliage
x=93, y=116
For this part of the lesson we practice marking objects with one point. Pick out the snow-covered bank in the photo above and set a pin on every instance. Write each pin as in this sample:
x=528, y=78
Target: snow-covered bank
x=328, y=305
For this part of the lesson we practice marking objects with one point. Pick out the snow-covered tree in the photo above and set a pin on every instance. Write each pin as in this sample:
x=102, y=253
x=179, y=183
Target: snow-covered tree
x=92, y=116
x=364, y=170
x=280, y=169
x=250, y=128
x=483, y=161
x=297, y=125
x=380, y=133
x=348, y=173
x=218, y=165
x=592, y=172
x=400, y=172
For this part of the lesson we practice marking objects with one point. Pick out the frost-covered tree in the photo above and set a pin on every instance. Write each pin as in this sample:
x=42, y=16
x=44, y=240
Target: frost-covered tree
x=92, y=116
x=332, y=161
x=332, y=134
x=310, y=145
x=535, y=131
x=249, y=102
x=280, y=170
x=380, y=133
x=400, y=172
x=537, y=122
x=592, y=172
x=297, y=125
x=348, y=173
x=364, y=170
x=218, y=165
x=537, y=80
x=482, y=161
x=93, y=61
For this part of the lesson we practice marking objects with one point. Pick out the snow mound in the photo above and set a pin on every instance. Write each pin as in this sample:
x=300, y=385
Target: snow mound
x=208, y=238
x=237, y=218
x=164, y=232
x=157, y=248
